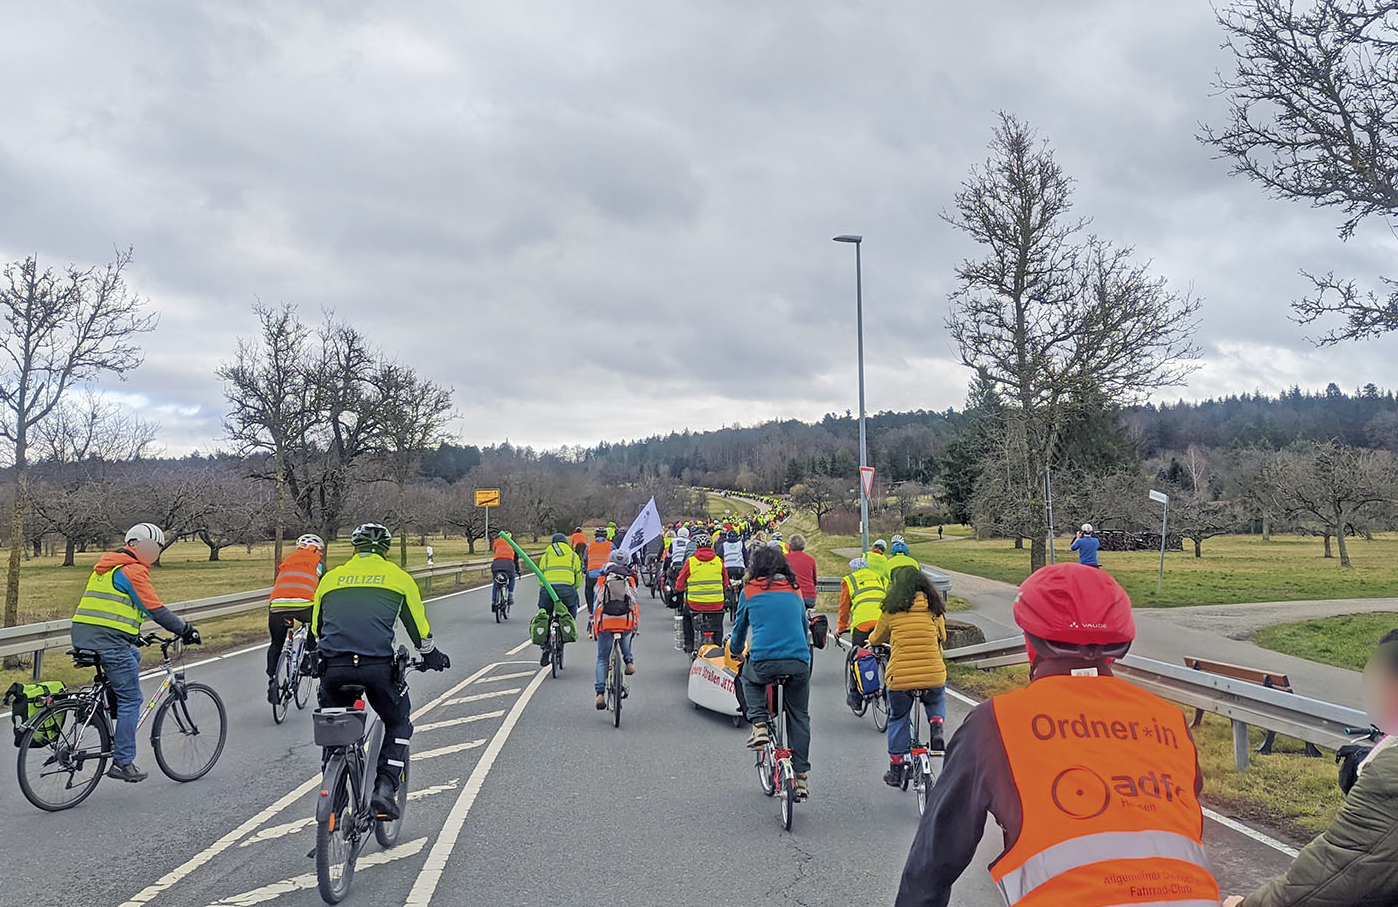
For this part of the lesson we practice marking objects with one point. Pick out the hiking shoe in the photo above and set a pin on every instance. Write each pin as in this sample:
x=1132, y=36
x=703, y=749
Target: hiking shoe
x=803, y=787
x=759, y=737
x=630, y=668
x=601, y=702
x=128, y=772
x=274, y=693
x=384, y=803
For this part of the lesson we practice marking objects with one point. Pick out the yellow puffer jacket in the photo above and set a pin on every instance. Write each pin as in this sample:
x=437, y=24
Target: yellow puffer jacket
x=915, y=637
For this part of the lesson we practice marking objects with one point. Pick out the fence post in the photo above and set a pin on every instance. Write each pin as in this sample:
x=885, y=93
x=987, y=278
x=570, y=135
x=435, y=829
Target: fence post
x=1240, y=745
x=38, y=665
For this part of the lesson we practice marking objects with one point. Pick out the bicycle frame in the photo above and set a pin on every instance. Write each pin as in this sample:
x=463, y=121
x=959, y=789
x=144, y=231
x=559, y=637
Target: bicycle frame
x=100, y=691
x=362, y=759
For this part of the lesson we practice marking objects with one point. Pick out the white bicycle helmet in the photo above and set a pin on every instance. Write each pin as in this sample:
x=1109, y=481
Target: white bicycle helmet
x=310, y=541
x=146, y=540
x=684, y=532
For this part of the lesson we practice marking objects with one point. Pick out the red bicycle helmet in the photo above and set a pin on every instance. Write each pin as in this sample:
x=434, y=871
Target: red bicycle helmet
x=1075, y=610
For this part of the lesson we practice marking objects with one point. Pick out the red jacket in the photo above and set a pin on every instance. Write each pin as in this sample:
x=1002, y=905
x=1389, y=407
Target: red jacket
x=804, y=566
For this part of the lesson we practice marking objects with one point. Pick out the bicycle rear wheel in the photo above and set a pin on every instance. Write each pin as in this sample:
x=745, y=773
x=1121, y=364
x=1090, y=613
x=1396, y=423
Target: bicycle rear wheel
x=385, y=831
x=283, y=679
x=189, y=731
x=59, y=773
x=335, y=847
x=618, y=672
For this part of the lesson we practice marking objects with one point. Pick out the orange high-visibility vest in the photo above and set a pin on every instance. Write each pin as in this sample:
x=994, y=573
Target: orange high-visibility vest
x=503, y=551
x=1105, y=774
x=597, y=554
x=297, y=579
x=577, y=539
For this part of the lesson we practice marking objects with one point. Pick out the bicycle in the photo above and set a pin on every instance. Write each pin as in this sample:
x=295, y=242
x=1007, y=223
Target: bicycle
x=774, y=768
x=879, y=699
x=292, y=682
x=51, y=766
x=555, y=644
x=351, y=737
x=500, y=596
x=616, y=684
x=917, y=767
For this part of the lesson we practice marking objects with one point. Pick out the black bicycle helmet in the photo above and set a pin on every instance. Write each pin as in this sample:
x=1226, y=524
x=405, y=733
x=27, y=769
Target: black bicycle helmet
x=371, y=538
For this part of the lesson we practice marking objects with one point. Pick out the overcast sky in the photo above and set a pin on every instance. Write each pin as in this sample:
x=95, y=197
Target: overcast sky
x=605, y=220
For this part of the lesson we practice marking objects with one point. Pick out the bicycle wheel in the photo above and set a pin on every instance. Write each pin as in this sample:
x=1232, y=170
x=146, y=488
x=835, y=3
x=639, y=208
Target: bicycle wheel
x=283, y=678
x=788, y=794
x=189, y=731
x=880, y=704
x=335, y=848
x=618, y=672
x=302, y=685
x=60, y=773
x=385, y=831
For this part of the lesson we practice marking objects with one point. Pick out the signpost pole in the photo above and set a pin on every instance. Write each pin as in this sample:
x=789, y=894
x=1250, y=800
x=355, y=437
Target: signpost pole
x=487, y=526
x=1164, y=526
x=1048, y=499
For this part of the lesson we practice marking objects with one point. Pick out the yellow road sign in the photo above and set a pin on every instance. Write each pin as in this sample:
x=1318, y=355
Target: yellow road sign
x=487, y=497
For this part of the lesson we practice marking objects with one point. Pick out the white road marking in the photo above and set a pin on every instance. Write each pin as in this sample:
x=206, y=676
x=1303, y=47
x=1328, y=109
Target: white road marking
x=431, y=873
x=521, y=647
x=477, y=697
x=448, y=750
x=960, y=698
x=453, y=784
x=452, y=722
x=278, y=831
x=1253, y=833
x=513, y=676
x=302, y=882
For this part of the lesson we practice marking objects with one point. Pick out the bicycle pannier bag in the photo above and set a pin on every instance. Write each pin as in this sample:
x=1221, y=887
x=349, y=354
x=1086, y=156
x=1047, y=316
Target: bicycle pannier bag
x=539, y=628
x=820, y=630
x=866, y=672
x=28, y=699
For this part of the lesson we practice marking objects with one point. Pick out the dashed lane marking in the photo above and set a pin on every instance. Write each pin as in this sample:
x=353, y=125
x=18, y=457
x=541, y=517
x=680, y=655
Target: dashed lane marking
x=448, y=750
x=514, y=676
x=452, y=722
x=302, y=882
x=521, y=647
x=477, y=697
x=431, y=874
x=290, y=828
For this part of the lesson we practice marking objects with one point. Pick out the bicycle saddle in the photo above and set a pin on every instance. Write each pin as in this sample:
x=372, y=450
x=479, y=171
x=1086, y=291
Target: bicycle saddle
x=84, y=658
x=352, y=688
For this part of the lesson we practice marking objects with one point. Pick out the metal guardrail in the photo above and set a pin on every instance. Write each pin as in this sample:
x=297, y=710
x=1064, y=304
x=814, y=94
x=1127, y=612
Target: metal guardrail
x=37, y=638
x=1312, y=720
x=939, y=579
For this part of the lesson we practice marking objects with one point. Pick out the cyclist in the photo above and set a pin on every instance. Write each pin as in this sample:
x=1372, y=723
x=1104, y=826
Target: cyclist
x=617, y=613
x=1038, y=758
x=578, y=541
x=899, y=556
x=878, y=558
x=914, y=626
x=861, y=601
x=563, y=571
x=505, y=560
x=679, y=548
x=704, y=583
x=293, y=596
x=357, y=605
x=803, y=566
x=599, y=553
x=118, y=599
x=781, y=543
x=772, y=609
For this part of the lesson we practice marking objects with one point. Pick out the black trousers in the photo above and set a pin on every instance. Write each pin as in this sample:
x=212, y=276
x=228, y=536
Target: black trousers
x=702, y=620
x=278, y=629
x=385, y=697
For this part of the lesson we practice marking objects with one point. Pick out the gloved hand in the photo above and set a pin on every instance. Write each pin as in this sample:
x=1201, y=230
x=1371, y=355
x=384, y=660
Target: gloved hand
x=190, y=636
x=436, y=660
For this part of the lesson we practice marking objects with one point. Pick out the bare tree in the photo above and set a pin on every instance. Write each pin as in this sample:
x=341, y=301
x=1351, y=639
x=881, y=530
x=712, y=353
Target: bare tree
x=820, y=495
x=1311, y=118
x=1335, y=484
x=461, y=513
x=237, y=510
x=1051, y=319
x=415, y=413
x=58, y=329
x=268, y=388
x=907, y=497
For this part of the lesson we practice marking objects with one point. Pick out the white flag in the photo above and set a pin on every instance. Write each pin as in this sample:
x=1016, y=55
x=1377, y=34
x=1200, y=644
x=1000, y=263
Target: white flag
x=645, y=527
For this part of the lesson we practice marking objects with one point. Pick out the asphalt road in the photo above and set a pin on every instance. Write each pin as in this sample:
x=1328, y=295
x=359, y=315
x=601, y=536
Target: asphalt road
x=525, y=796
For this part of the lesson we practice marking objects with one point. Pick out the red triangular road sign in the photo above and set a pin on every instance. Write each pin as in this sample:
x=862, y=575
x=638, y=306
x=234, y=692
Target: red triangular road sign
x=866, y=475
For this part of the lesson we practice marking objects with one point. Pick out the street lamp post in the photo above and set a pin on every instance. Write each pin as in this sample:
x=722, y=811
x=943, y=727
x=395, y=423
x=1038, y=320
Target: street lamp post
x=859, y=330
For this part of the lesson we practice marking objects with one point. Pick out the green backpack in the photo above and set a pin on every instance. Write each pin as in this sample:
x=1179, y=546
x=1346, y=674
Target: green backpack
x=26, y=700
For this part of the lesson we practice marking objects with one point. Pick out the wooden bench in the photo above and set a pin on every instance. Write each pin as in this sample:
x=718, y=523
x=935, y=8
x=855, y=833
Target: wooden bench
x=1272, y=680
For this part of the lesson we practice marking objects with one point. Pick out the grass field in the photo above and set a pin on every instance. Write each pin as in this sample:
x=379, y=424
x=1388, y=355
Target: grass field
x=1285, y=790
x=1233, y=569
x=49, y=591
x=1345, y=641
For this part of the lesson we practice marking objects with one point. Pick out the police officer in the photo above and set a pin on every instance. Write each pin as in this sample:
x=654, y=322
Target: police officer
x=1094, y=781
x=356, y=607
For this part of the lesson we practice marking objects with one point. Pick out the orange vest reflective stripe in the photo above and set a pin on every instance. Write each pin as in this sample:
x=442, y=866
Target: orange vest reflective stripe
x=1105, y=774
x=704, y=588
x=297, y=579
x=597, y=554
x=503, y=551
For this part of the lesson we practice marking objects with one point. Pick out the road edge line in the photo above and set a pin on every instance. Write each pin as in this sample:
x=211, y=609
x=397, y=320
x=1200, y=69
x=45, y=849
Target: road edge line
x=425, y=886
